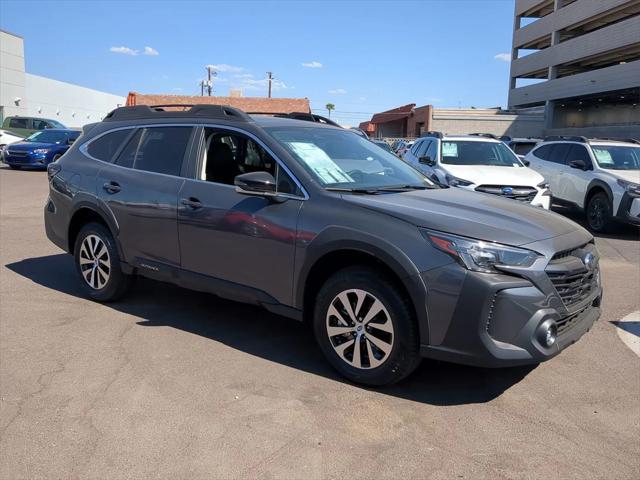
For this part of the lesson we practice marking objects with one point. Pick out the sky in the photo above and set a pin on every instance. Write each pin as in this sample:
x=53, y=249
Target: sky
x=362, y=56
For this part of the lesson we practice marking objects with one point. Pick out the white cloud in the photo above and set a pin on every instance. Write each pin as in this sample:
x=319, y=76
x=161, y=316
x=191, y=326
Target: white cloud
x=150, y=51
x=338, y=91
x=223, y=67
x=314, y=64
x=124, y=50
x=248, y=83
x=503, y=57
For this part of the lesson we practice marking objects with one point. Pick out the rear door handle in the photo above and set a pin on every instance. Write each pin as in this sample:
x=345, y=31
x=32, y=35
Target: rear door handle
x=111, y=187
x=191, y=202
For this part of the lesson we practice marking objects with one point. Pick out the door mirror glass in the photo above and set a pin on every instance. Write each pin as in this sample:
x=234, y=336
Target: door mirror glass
x=427, y=160
x=70, y=141
x=256, y=183
x=526, y=162
x=579, y=164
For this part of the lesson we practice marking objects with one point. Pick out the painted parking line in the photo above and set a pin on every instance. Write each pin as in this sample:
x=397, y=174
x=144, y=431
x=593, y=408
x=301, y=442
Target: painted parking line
x=629, y=331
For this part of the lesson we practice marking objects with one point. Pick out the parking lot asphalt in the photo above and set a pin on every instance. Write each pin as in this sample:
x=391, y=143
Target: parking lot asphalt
x=169, y=383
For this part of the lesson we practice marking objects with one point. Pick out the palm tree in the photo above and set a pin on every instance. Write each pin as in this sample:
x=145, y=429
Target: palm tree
x=329, y=107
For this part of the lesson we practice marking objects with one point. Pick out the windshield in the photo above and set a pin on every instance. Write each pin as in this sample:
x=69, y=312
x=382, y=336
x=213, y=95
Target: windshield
x=47, y=136
x=338, y=158
x=469, y=152
x=615, y=157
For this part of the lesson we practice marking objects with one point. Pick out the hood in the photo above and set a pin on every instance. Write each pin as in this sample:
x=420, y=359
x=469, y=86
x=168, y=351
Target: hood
x=628, y=175
x=27, y=146
x=493, y=175
x=470, y=214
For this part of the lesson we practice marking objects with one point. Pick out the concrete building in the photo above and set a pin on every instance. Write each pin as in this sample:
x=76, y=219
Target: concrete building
x=22, y=93
x=580, y=59
x=411, y=121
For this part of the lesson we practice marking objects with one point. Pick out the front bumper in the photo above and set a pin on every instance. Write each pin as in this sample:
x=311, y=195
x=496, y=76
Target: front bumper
x=495, y=320
x=629, y=209
x=26, y=159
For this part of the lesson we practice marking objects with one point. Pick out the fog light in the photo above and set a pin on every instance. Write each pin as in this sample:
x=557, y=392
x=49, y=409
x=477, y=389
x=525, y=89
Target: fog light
x=548, y=333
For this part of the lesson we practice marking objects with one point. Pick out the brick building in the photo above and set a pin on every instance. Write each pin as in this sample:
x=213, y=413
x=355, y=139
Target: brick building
x=247, y=104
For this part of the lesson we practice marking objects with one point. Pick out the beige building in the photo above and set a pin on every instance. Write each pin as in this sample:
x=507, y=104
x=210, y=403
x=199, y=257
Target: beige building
x=580, y=59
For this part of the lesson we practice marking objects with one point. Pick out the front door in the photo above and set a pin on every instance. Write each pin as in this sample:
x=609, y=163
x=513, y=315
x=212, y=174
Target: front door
x=141, y=190
x=247, y=242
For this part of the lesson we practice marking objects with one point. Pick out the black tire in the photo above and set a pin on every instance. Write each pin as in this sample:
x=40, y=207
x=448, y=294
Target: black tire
x=599, y=213
x=117, y=282
x=56, y=158
x=15, y=167
x=404, y=355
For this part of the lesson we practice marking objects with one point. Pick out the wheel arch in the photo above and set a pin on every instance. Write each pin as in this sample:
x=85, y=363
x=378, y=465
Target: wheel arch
x=595, y=186
x=85, y=213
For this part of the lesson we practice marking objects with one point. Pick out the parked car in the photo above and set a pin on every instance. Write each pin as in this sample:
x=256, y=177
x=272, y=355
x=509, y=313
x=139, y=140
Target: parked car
x=382, y=144
x=7, y=138
x=599, y=176
x=480, y=163
x=39, y=149
x=320, y=225
x=404, y=149
x=521, y=146
x=398, y=145
x=25, y=126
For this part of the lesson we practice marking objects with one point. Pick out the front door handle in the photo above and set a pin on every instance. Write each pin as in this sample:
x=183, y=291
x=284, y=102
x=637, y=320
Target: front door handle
x=111, y=187
x=191, y=202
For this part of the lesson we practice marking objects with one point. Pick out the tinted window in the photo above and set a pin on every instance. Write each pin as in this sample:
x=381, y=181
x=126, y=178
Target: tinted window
x=41, y=124
x=416, y=147
x=578, y=152
x=423, y=148
x=159, y=150
x=105, y=147
x=543, y=152
x=559, y=153
x=432, y=151
x=523, y=148
x=18, y=123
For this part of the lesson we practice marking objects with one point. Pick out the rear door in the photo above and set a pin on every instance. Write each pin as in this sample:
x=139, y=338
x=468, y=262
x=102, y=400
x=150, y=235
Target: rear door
x=574, y=184
x=550, y=161
x=141, y=189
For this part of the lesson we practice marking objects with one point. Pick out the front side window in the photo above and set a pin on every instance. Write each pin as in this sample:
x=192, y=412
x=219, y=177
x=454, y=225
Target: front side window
x=338, y=159
x=104, y=147
x=469, y=152
x=617, y=157
x=156, y=149
x=423, y=148
x=578, y=152
x=47, y=136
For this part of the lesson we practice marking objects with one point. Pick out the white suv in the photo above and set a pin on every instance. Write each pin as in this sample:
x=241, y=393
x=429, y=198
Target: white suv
x=478, y=162
x=599, y=176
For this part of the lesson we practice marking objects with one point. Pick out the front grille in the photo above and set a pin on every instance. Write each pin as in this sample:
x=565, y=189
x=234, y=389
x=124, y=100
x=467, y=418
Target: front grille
x=522, y=194
x=568, y=253
x=566, y=323
x=573, y=287
x=17, y=153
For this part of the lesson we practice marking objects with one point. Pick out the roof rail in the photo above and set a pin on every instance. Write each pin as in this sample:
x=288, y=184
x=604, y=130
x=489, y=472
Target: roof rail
x=485, y=135
x=569, y=138
x=613, y=139
x=432, y=134
x=138, y=112
x=505, y=138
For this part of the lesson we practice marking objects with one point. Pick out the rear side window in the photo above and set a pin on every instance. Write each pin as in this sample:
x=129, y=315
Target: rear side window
x=543, y=152
x=105, y=147
x=158, y=149
x=423, y=148
x=18, y=123
x=416, y=147
x=559, y=153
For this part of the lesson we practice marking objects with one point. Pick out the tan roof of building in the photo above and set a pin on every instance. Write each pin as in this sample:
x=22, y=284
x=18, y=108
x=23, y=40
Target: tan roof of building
x=393, y=114
x=247, y=104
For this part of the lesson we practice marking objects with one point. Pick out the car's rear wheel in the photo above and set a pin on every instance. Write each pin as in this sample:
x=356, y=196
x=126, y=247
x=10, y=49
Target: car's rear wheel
x=98, y=263
x=366, y=327
x=599, y=216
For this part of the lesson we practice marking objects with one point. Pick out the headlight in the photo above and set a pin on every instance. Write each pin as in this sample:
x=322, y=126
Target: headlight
x=457, y=182
x=630, y=187
x=41, y=150
x=478, y=255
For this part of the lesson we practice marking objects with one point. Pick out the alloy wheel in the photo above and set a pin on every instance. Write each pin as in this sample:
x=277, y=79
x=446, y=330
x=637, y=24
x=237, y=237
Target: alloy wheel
x=95, y=263
x=360, y=329
x=596, y=213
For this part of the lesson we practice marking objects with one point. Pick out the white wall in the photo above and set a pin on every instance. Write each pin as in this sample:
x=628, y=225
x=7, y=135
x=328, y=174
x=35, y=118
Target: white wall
x=70, y=104
x=12, y=81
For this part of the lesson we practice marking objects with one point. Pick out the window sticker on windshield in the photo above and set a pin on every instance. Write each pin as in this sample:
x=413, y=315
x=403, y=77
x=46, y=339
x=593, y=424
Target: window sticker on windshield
x=449, y=149
x=603, y=156
x=320, y=163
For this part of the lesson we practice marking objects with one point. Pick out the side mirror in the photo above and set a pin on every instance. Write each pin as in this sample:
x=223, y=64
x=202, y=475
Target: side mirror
x=579, y=164
x=261, y=184
x=427, y=160
x=70, y=141
x=526, y=162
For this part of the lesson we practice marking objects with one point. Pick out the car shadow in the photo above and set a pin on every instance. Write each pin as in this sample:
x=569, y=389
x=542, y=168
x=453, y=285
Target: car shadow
x=253, y=330
x=619, y=231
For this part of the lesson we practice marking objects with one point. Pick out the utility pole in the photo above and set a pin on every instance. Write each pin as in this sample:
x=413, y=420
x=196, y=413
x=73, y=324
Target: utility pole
x=270, y=77
x=202, y=88
x=209, y=83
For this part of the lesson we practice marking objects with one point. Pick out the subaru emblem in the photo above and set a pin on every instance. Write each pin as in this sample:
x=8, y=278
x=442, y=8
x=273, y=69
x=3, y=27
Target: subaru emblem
x=589, y=261
x=507, y=190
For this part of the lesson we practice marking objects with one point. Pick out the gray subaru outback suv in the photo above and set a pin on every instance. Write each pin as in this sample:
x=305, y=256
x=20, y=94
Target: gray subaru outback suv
x=318, y=224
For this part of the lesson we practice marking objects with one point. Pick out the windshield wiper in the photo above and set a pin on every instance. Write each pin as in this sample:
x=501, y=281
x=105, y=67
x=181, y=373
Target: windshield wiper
x=367, y=191
x=401, y=188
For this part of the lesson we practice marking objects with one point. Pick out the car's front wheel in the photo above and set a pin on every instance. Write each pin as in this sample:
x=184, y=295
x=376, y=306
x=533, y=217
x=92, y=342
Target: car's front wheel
x=599, y=216
x=366, y=327
x=98, y=263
